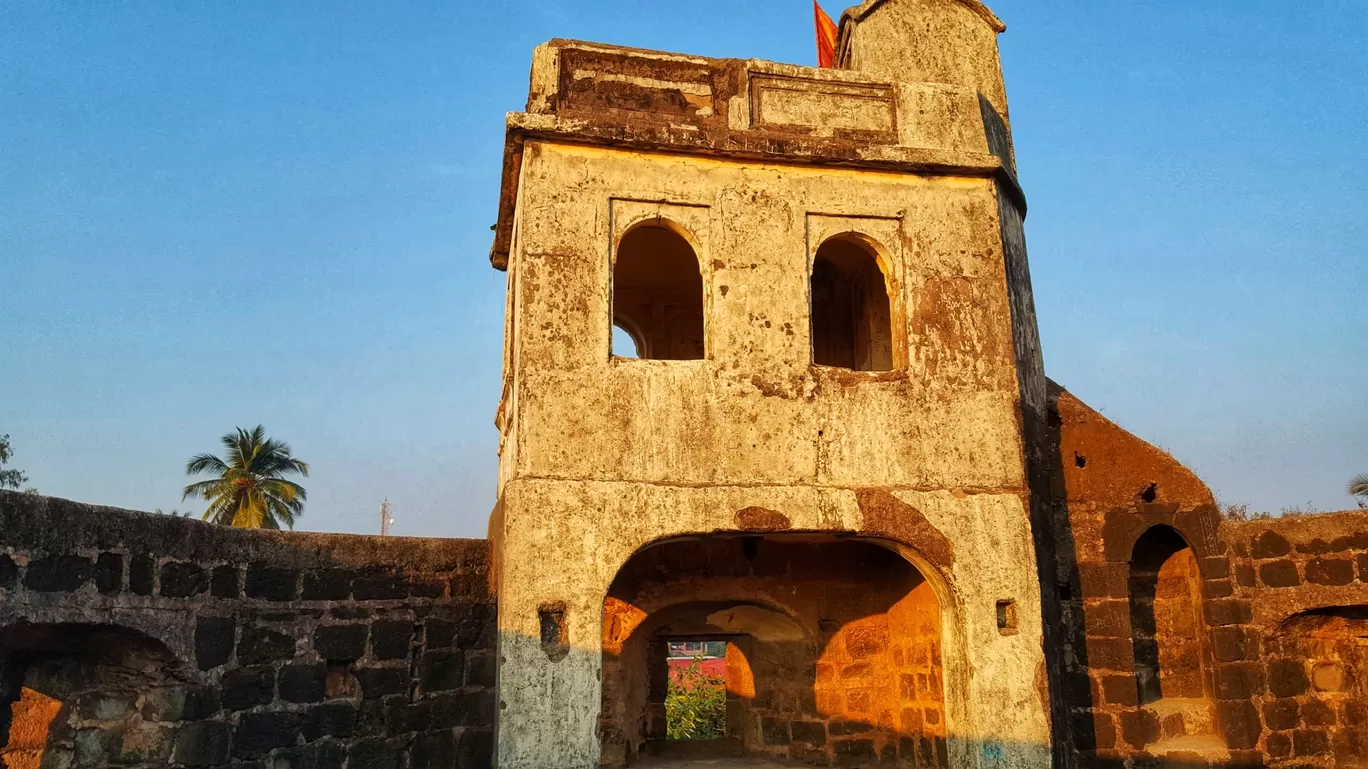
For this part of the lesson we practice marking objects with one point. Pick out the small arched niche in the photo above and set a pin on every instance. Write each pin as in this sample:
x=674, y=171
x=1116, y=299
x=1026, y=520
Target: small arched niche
x=657, y=294
x=1172, y=656
x=825, y=651
x=852, y=316
x=113, y=686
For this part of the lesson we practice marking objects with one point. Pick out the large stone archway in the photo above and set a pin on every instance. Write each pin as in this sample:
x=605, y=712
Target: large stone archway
x=834, y=650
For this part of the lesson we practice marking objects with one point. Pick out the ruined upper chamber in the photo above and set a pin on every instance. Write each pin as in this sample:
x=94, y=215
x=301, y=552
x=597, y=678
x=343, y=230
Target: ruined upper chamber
x=918, y=87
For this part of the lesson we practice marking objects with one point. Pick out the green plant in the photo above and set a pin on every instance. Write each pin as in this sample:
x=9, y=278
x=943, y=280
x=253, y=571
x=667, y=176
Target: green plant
x=9, y=479
x=249, y=490
x=696, y=705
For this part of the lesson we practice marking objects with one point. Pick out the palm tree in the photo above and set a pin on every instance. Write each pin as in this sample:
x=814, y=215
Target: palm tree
x=249, y=490
x=1358, y=487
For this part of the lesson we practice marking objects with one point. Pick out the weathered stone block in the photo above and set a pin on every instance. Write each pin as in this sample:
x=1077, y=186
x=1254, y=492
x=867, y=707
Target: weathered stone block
x=378, y=682
x=463, y=709
x=58, y=574
x=180, y=703
x=1220, y=588
x=1111, y=654
x=391, y=639
x=248, y=687
x=106, y=706
x=482, y=669
x=438, y=633
x=303, y=683
x=1281, y=714
x=142, y=574
x=145, y=744
x=810, y=732
x=1120, y=690
x=327, y=585
x=1310, y=742
x=373, y=754
x=1216, y=567
x=1230, y=644
x=108, y=573
x=223, y=583
x=1287, y=677
x=9, y=572
x=1279, y=574
x=476, y=627
x=1228, y=612
x=332, y=719
x=441, y=670
x=1316, y=712
x=204, y=743
x=327, y=755
x=378, y=585
x=96, y=747
x=272, y=584
x=847, y=750
x=775, y=731
x=1278, y=745
x=402, y=717
x=475, y=750
x=1239, y=680
x=1239, y=722
x=1139, y=728
x=182, y=580
x=470, y=587
x=261, y=645
x=1330, y=571
x=340, y=643
x=434, y=751
x=1107, y=619
x=1244, y=575
x=214, y=641
x=259, y=733
x=1269, y=544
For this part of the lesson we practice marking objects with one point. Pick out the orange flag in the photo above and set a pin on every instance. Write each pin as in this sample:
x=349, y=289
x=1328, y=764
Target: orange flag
x=826, y=37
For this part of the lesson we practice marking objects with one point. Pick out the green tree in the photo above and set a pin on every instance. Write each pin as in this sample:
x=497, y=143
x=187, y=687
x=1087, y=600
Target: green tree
x=1358, y=487
x=9, y=479
x=249, y=490
x=696, y=705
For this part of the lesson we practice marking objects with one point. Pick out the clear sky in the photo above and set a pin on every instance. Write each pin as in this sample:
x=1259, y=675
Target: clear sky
x=221, y=214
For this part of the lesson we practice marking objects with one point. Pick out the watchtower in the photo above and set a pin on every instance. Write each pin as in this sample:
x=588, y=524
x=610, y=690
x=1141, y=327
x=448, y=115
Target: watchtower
x=819, y=451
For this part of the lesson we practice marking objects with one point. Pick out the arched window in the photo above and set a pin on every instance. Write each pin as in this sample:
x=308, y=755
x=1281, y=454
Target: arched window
x=658, y=294
x=852, y=323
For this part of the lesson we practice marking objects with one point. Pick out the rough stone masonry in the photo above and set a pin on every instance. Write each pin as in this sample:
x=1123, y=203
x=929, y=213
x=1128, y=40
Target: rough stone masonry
x=832, y=450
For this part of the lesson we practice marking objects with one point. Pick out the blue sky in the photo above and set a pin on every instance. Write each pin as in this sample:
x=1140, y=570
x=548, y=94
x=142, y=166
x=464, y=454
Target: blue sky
x=222, y=214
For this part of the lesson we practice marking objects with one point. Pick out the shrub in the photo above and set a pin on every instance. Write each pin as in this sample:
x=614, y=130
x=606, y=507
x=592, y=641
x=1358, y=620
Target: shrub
x=696, y=705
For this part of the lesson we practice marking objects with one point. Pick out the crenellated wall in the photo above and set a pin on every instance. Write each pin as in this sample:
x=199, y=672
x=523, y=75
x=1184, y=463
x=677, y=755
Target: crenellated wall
x=147, y=640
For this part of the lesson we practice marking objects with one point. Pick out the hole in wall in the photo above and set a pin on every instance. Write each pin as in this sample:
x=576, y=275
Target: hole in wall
x=555, y=639
x=1080, y=460
x=1006, y=616
x=1150, y=493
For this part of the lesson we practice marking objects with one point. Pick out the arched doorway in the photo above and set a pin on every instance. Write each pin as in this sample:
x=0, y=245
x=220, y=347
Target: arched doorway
x=852, y=317
x=827, y=651
x=1173, y=671
x=89, y=695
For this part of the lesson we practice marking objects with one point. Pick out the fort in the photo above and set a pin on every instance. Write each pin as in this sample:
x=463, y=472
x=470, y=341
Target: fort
x=835, y=451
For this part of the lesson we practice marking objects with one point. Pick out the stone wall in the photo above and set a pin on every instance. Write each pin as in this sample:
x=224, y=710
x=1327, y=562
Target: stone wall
x=145, y=640
x=1195, y=640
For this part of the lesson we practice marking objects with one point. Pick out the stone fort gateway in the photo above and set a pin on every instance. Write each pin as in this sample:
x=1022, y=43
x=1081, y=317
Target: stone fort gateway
x=836, y=455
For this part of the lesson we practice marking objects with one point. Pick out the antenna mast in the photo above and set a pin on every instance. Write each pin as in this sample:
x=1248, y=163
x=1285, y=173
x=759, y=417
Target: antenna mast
x=385, y=518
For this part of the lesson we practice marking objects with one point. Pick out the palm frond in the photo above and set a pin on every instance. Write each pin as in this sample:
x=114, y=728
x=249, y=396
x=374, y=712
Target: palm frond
x=1358, y=485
